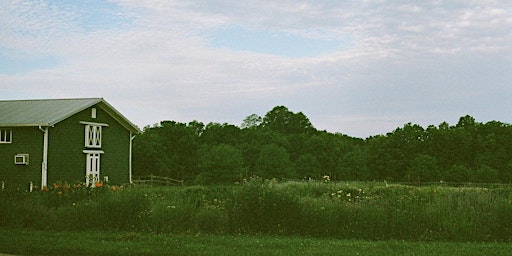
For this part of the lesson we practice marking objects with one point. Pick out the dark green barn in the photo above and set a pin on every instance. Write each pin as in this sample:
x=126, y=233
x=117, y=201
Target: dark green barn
x=64, y=140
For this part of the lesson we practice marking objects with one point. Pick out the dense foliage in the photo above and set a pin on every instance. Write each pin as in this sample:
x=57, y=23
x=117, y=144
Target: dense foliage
x=359, y=210
x=283, y=144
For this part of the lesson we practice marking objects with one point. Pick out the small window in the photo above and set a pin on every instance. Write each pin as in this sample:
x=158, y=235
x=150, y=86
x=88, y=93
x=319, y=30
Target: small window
x=93, y=113
x=92, y=136
x=5, y=135
x=21, y=159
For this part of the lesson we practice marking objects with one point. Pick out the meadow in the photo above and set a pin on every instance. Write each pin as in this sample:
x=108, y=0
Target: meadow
x=370, y=211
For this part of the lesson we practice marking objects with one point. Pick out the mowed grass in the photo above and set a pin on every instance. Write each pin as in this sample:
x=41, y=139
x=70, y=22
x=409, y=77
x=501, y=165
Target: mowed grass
x=30, y=242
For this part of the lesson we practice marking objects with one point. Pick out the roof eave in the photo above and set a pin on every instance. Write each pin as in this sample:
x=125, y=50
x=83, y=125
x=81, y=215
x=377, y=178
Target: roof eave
x=86, y=106
x=119, y=117
x=24, y=125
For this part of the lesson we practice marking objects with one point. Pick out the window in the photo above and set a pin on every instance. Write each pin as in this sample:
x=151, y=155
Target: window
x=92, y=136
x=93, y=113
x=5, y=135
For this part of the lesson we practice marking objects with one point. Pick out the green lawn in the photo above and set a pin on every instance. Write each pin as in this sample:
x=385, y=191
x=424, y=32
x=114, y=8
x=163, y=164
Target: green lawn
x=29, y=242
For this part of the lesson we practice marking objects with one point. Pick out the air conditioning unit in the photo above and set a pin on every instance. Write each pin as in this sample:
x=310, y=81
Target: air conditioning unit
x=21, y=159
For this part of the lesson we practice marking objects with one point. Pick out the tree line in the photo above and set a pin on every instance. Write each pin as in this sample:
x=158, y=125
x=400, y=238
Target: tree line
x=285, y=145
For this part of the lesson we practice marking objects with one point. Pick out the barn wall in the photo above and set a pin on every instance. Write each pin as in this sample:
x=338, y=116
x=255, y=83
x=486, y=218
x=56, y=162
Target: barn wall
x=66, y=160
x=25, y=140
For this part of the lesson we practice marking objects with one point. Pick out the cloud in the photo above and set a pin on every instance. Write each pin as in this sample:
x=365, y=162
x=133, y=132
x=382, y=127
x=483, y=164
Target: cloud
x=398, y=62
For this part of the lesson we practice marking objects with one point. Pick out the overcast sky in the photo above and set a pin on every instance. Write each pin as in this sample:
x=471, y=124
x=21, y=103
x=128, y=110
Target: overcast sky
x=359, y=68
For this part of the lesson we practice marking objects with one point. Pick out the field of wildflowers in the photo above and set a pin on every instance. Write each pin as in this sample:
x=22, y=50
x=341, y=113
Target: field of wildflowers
x=370, y=211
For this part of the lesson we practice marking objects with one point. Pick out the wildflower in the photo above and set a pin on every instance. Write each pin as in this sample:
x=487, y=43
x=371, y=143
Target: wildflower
x=44, y=189
x=59, y=193
x=98, y=184
x=55, y=185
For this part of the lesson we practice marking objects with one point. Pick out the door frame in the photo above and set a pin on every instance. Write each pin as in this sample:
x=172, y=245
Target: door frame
x=92, y=167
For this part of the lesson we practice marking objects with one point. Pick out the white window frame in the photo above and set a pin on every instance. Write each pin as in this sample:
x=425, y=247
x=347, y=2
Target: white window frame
x=5, y=136
x=93, y=134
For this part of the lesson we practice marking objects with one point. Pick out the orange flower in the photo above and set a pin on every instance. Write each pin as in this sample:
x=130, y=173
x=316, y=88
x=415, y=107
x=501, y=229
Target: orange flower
x=55, y=185
x=44, y=189
x=98, y=184
x=59, y=193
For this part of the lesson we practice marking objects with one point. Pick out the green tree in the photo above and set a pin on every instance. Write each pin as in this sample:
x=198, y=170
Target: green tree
x=307, y=166
x=168, y=149
x=215, y=134
x=458, y=173
x=423, y=168
x=221, y=164
x=486, y=174
x=251, y=121
x=352, y=166
x=284, y=121
x=274, y=162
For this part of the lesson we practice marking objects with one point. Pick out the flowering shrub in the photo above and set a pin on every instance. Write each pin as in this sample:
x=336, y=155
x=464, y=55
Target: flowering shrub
x=348, y=211
x=63, y=193
x=350, y=195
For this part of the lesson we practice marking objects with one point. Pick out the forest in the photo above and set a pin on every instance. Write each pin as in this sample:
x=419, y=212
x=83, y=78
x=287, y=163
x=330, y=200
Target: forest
x=285, y=145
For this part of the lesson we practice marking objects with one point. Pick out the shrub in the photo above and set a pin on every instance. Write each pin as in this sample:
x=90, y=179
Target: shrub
x=258, y=207
x=358, y=211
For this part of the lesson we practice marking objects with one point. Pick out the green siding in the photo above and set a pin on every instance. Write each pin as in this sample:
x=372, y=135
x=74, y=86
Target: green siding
x=66, y=160
x=25, y=140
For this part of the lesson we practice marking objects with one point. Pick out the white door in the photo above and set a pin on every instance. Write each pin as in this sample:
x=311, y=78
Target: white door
x=92, y=171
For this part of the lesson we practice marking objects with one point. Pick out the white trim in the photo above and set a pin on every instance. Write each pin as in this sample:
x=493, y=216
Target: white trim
x=95, y=124
x=44, y=164
x=92, y=168
x=93, y=151
x=93, y=136
x=130, y=158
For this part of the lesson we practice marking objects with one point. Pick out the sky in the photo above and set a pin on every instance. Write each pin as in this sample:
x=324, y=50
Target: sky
x=360, y=68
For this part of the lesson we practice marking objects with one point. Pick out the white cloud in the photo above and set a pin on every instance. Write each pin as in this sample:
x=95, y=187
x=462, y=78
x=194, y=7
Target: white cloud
x=424, y=61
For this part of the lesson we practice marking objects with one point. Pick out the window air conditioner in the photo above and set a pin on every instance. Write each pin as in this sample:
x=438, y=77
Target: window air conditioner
x=21, y=159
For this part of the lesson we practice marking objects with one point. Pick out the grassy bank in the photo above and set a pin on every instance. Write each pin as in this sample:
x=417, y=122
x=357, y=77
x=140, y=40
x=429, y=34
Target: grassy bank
x=367, y=211
x=23, y=242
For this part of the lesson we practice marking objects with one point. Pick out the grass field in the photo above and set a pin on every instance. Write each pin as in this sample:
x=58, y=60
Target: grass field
x=29, y=242
x=258, y=218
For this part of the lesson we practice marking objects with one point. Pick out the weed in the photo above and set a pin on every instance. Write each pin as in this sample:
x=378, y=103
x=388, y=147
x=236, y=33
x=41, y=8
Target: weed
x=368, y=211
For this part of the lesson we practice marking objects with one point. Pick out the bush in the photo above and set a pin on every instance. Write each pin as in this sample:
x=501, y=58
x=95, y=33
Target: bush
x=258, y=207
x=357, y=211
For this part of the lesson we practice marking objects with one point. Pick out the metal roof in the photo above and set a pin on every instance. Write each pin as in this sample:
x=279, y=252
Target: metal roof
x=49, y=112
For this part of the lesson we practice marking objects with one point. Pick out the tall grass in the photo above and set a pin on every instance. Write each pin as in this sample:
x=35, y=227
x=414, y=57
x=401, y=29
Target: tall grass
x=371, y=211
